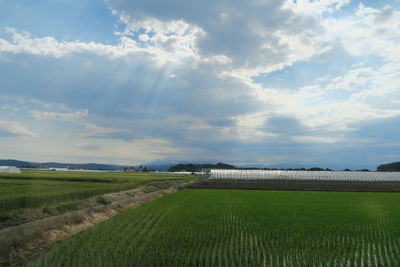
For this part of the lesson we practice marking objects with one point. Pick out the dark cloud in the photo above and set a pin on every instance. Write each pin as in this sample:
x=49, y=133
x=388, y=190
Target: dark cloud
x=125, y=88
x=384, y=15
x=192, y=105
x=383, y=132
x=289, y=126
x=245, y=31
x=284, y=125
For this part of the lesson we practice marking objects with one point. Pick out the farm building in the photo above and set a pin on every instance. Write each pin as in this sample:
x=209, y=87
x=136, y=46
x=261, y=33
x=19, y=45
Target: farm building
x=9, y=169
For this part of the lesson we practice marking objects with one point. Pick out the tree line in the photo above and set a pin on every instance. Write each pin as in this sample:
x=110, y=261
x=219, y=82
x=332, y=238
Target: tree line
x=192, y=167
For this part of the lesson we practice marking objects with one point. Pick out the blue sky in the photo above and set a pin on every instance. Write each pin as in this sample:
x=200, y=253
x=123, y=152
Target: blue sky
x=310, y=83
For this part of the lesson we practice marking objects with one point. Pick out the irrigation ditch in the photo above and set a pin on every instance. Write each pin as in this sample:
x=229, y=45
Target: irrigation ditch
x=22, y=243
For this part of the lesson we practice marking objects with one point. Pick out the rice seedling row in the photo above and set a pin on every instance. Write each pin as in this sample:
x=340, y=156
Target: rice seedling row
x=243, y=228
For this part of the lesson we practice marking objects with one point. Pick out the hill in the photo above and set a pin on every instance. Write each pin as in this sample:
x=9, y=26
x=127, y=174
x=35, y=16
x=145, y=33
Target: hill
x=45, y=165
x=389, y=167
x=18, y=163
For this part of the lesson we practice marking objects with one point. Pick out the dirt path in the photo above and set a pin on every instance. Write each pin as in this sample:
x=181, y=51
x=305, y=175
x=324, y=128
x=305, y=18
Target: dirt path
x=21, y=243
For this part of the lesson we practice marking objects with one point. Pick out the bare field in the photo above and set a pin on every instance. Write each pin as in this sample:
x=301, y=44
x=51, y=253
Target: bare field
x=297, y=185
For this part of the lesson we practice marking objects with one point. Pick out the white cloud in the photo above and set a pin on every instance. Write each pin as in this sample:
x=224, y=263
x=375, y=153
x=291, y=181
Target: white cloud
x=367, y=90
x=382, y=86
x=138, y=151
x=78, y=117
x=176, y=37
x=241, y=37
x=305, y=33
x=316, y=139
x=96, y=130
x=178, y=68
x=353, y=80
x=15, y=128
x=369, y=31
x=316, y=7
x=170, y=50
x=23, y=42
x=72, y=116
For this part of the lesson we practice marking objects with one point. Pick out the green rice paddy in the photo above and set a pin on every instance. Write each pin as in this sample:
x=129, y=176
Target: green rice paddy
x=243, y=228
x=33, y=189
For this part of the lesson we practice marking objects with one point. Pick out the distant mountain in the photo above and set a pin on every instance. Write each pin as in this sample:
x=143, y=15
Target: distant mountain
x=190, y=167
x=165, y=165
x=89, y=166
x=18, y=163
x=159, y=167
x=288, y=166
x=193, y=167
x=389, y=167
x=161, y=164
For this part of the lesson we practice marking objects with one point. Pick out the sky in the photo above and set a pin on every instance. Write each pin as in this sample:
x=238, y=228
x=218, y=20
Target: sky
x=250, y=83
